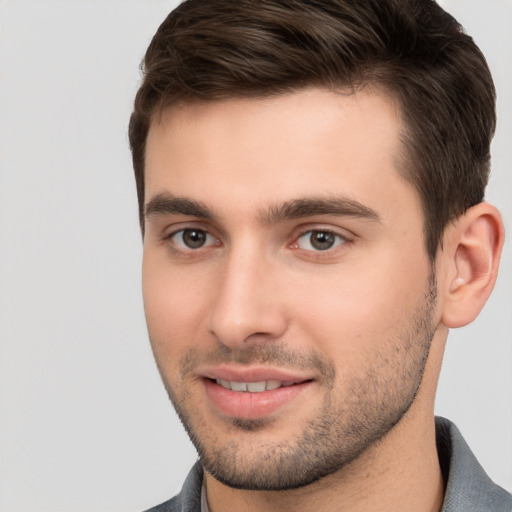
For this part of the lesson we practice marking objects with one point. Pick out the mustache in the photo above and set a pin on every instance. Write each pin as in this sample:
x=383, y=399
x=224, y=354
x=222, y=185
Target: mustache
x=267, y=354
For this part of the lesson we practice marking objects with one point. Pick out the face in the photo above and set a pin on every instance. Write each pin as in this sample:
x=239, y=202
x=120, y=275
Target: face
x=288, y=294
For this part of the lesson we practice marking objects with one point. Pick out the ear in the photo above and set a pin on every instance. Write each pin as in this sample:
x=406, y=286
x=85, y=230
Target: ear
x=471, y=256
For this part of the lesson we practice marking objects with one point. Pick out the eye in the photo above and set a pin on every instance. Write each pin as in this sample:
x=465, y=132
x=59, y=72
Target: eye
x=192, y=238
x=319, y=240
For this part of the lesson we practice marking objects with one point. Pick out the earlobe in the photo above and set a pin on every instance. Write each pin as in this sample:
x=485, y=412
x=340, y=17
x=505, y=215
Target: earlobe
x=473, y=249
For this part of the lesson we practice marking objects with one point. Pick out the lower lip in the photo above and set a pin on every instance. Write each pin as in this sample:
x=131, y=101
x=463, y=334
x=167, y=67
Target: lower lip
x=251, y=406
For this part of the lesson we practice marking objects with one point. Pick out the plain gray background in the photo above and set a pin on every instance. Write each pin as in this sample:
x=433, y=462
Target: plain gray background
x=85, y=425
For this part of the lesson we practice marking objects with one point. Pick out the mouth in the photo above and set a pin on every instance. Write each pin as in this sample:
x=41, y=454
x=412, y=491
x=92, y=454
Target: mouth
x=254, y=397
x=255, y=387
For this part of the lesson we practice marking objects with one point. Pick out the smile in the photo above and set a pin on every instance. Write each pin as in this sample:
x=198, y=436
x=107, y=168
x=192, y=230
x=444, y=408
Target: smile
x=253, y=387
x=246, y=398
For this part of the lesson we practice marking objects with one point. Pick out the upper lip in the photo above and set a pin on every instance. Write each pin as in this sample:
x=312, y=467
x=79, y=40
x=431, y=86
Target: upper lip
x=253, y=374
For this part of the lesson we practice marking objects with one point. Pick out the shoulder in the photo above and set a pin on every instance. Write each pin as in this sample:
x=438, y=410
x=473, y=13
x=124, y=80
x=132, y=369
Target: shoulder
x=468, y=488
x=173, y=505
x=189, y=499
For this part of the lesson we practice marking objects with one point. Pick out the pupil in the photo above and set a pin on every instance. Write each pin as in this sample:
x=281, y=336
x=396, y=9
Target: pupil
x=193, y=238
x=322, y=240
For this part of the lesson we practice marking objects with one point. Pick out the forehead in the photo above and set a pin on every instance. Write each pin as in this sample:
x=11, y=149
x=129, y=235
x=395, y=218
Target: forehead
x=245, y=152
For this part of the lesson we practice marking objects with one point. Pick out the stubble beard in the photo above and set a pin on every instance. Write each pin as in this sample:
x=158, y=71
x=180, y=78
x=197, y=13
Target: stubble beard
x=367, y=408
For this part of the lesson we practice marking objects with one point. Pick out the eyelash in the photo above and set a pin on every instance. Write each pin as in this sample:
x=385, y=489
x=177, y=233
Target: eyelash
x=330, y=235
x=183, y=231
x=180, y=247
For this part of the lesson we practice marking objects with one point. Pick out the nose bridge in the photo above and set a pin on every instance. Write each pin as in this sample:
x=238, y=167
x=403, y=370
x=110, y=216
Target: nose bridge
x=246, y=305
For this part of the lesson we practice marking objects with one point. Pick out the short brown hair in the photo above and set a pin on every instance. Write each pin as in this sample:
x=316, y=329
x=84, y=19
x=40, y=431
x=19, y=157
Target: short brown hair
x=217, y=49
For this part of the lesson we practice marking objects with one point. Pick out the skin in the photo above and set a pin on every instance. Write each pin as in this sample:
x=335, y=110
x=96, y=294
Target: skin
x=364, y=321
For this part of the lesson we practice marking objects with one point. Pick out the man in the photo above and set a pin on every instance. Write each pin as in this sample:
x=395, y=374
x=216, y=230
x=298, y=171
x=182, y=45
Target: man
x=311, y=178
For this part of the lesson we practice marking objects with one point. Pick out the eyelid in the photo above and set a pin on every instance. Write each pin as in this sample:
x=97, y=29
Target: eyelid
x=323, y=227
x=344, y=240
x=339, y=239
x=168, y=234
x=210, y=240
x=171, y=229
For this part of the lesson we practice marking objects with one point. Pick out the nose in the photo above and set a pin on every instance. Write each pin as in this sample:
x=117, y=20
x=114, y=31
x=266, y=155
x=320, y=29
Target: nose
x=248, y=305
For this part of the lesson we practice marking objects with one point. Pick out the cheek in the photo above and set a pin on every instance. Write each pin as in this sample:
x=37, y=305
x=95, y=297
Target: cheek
x=174, y=307
x=351, y=311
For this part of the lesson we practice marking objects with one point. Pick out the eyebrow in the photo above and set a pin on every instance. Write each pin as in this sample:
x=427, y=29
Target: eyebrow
x=308, y=207
x=168, y=204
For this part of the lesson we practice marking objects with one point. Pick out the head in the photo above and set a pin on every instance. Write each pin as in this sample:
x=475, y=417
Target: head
x=299, y=165
x=412, y=50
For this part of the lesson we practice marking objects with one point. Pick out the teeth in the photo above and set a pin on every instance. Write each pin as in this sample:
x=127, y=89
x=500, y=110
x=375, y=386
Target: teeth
x=224, y=383
x=256, y=387
x=239, y=386
x=273, y=384
x=253, y=387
